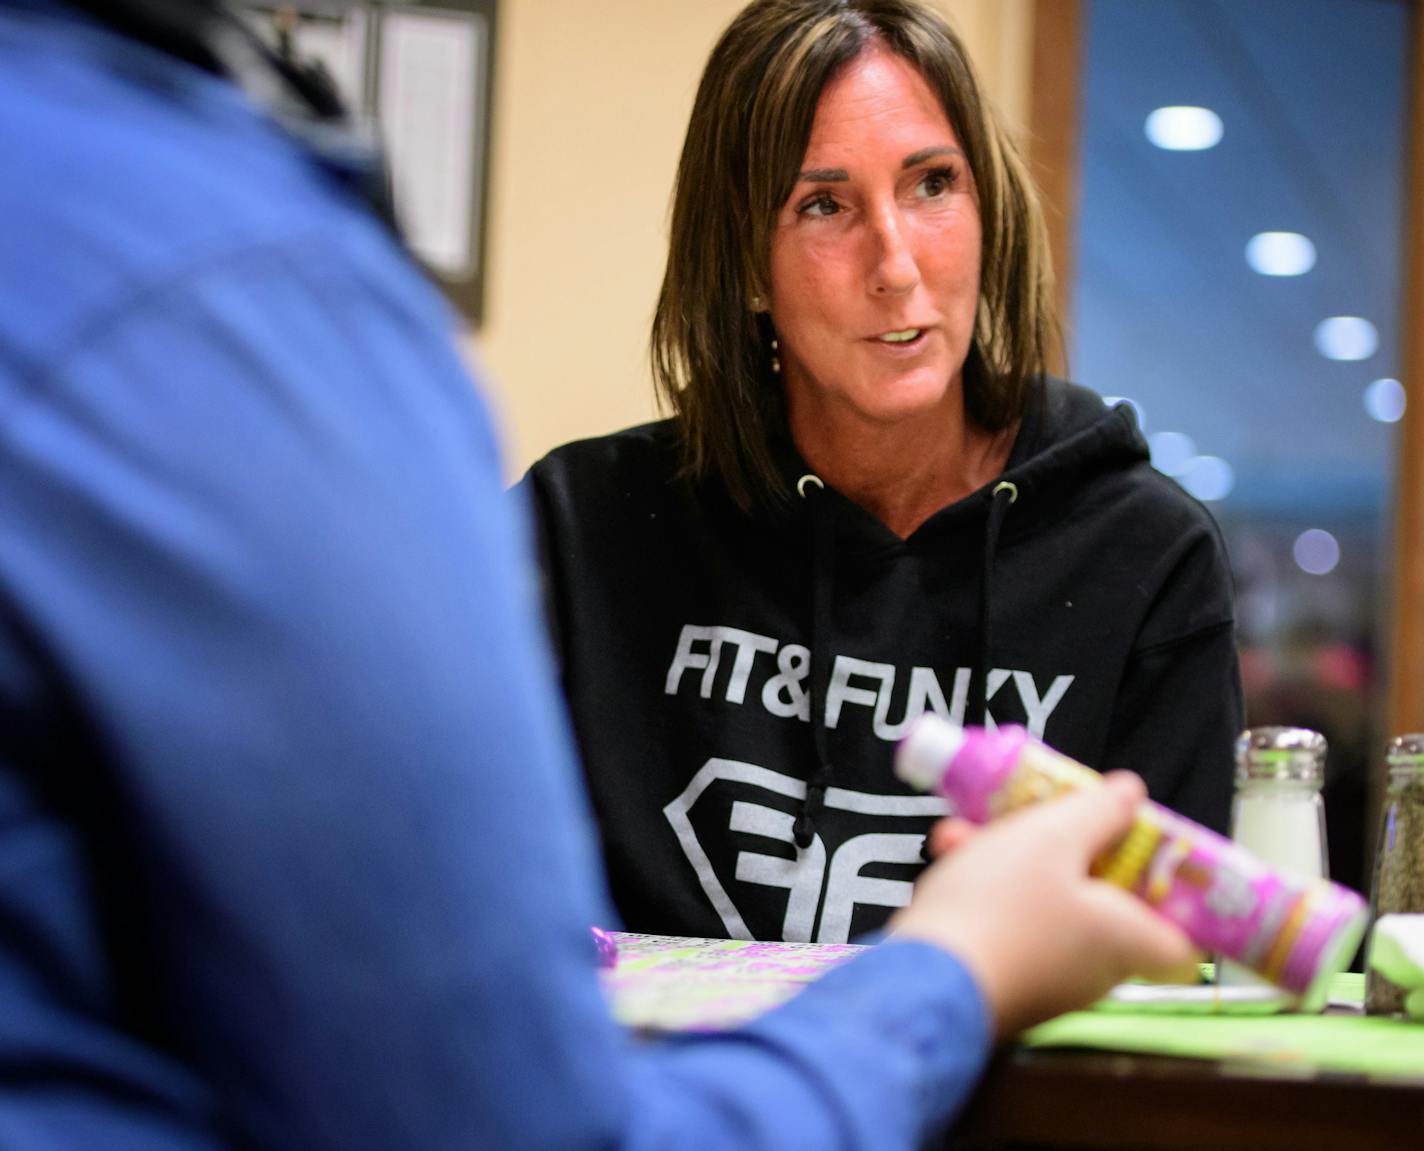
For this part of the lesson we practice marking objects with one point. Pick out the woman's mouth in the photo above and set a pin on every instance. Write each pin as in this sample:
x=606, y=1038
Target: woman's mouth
x=903, y=338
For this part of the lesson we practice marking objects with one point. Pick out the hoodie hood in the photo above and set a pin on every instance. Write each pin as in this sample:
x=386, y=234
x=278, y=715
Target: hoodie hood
x=1069, y=434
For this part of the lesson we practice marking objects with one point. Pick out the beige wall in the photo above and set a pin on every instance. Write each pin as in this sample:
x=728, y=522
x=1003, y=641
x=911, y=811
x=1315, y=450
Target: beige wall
x=591, y=102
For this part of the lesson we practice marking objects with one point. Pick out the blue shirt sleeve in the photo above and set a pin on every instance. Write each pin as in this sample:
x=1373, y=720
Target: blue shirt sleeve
x=254, y=522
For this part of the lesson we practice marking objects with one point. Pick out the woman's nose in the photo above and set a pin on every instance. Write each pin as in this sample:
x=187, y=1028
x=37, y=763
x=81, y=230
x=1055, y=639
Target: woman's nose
x=893, y=270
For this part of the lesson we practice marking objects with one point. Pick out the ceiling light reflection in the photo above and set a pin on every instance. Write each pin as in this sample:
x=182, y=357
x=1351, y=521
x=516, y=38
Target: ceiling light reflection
x=1280, y=253
x=1182, y=128
x=1208, y=478
x=1316, y=552
x=1172, y=452
x=1346, y=338
x=1384, y=400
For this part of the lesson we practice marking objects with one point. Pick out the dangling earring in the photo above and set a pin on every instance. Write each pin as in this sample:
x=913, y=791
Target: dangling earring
x=775, y=359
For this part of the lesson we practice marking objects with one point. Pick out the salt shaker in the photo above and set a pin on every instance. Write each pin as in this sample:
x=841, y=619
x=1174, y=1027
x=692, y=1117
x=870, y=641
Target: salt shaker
x=1278, y=814
x=1398, y=887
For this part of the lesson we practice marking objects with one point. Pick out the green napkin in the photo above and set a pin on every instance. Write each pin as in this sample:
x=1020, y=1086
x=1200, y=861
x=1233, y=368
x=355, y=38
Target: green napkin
x=1352, y=1043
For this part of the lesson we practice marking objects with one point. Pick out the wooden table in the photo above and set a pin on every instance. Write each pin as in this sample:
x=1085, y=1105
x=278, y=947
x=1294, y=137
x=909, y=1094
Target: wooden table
x=1120, y=1102
x=1054, y=1097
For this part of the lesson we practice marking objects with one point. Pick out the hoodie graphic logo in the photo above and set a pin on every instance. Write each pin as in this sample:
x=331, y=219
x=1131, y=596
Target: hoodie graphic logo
x=813, y=883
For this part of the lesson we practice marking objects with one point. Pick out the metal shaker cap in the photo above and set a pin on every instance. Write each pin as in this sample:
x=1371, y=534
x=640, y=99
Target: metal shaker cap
x=1406, y=751
x=1290, y=753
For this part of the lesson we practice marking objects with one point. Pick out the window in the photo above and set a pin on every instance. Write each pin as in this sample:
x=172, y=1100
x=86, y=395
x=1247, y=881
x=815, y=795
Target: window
x=1238, y=277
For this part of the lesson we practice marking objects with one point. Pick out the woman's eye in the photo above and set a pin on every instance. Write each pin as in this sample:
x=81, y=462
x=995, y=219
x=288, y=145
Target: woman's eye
x=937, y=182
x=822, y=205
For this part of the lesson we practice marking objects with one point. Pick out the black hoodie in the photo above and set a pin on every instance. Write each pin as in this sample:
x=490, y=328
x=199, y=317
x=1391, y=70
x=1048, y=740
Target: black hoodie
x=688, y=629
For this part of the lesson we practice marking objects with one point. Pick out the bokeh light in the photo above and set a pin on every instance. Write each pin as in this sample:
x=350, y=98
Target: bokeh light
x=1316, y=551
x=1182, y=128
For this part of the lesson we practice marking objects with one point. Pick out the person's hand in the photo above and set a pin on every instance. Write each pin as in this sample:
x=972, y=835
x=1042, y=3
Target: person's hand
x=1014, y=901
x=949, y=835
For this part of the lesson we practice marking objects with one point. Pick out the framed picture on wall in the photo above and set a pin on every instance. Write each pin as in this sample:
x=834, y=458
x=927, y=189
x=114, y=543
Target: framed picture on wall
x=419, y=76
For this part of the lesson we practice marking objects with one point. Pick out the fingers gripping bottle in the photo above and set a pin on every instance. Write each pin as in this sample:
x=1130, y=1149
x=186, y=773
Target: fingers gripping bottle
x=1295, y=931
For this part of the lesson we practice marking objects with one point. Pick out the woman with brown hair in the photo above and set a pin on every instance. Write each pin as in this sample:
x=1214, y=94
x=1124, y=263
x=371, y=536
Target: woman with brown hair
x=870, y=501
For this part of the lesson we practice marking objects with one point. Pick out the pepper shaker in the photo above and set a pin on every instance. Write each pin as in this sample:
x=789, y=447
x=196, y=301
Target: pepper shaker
x=1398, y=887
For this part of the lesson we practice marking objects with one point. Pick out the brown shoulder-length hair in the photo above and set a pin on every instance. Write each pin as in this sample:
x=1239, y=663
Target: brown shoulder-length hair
x=750, y=126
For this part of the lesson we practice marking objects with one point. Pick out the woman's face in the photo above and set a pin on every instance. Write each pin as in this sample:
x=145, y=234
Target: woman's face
x=875, y=256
